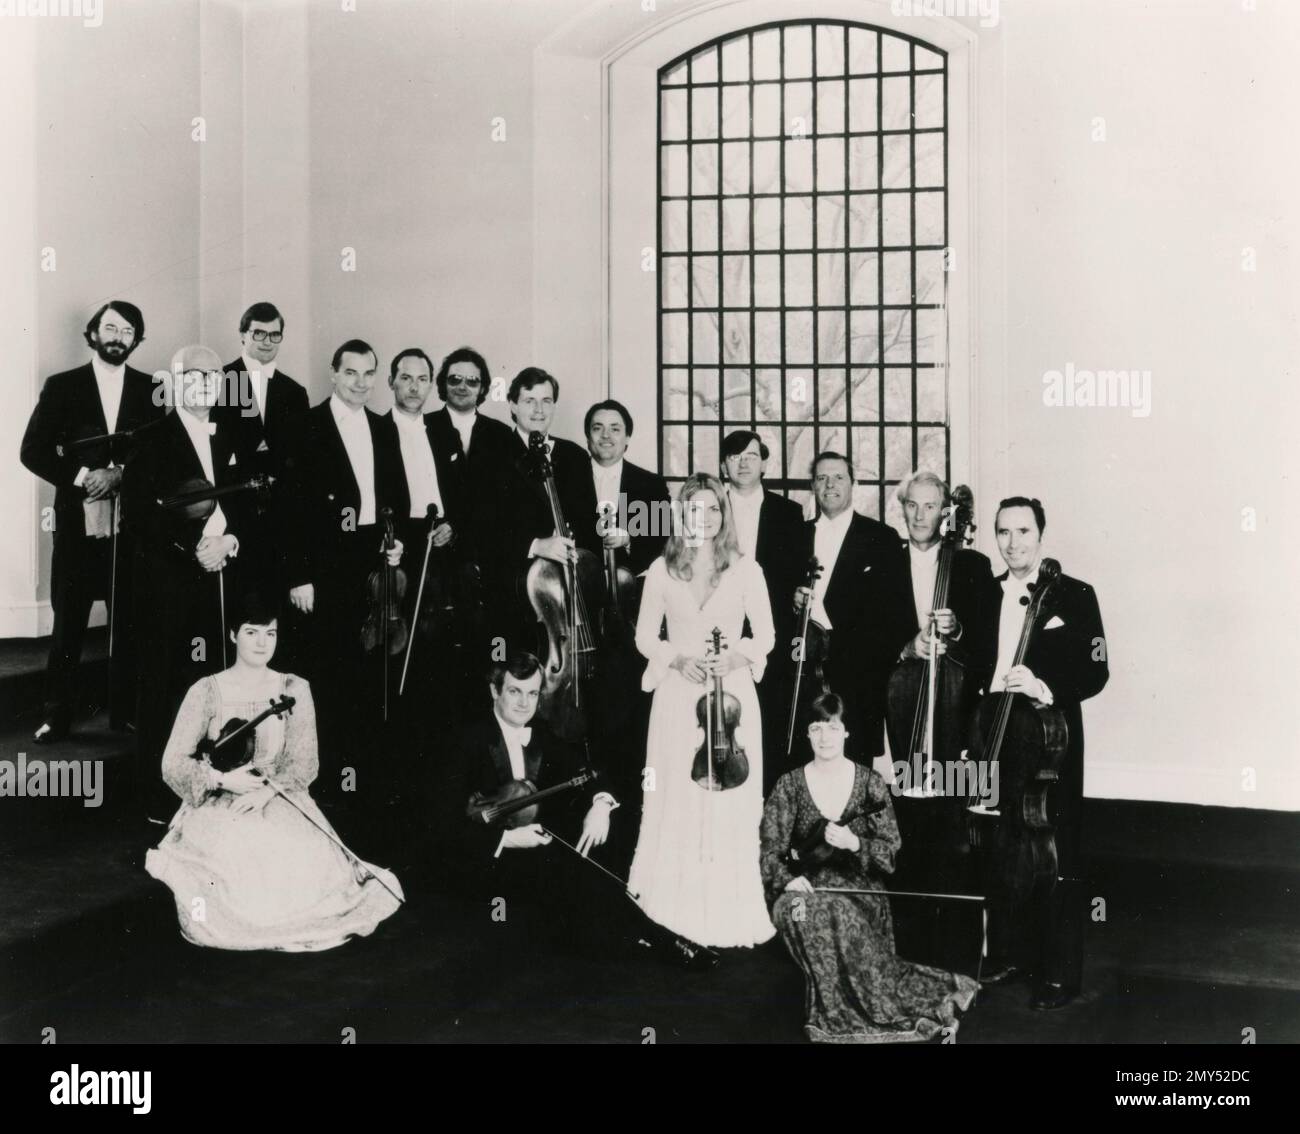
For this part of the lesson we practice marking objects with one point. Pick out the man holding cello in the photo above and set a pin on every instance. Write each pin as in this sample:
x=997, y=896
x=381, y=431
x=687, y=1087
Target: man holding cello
x=1050, y=656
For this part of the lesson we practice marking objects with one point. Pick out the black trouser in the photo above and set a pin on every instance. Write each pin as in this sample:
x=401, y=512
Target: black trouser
x=178, y=611
x=81, y=572
x=1044, y=934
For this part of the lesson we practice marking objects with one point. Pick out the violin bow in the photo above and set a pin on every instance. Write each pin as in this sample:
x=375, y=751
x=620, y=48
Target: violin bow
x=419, y=597
x=275, y=787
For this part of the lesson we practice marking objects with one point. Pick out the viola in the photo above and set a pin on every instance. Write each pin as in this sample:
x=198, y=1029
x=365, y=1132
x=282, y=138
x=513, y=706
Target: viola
x=813, y=850
x=814, y=645
x=517, y=803
x=235, y=745
x=449, y=604
x=195, y=498
x=720, y=762
x=562, y=596
x=385, y=623
x=618, y=612
x=1025, y=743
x=927, y=698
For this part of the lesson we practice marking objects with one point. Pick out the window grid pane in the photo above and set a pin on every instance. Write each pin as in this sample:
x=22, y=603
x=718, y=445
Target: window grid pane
x=802, y=231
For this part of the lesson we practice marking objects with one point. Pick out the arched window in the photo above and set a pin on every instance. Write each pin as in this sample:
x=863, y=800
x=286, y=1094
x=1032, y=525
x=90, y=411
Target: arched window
x=802, y=228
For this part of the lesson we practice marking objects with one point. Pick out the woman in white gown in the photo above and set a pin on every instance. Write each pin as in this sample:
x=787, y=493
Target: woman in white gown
x=249, y=870
x=696, y=868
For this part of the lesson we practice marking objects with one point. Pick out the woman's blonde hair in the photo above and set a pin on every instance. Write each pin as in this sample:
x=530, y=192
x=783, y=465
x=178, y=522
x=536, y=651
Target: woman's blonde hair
x=679, y=555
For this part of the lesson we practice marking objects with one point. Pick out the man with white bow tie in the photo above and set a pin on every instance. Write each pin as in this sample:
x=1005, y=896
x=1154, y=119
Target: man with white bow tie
x=861, y=597
x=184, y=565
x=1065, y=664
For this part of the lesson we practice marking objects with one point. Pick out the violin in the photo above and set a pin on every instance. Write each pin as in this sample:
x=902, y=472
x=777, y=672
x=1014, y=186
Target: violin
x=386, y=588
x=920, y=687
x=618, y=612
x=720, y=763
x=814, y=645
x=517, y=803
x=448, y=599
x=562, y=596
x=237, y=742
x=813, y=850
x=1025, y=745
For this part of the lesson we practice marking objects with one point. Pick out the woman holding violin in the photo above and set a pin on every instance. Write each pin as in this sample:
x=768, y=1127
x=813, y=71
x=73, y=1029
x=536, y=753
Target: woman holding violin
x=696, y=863
x=828, y=834
x=250, y=858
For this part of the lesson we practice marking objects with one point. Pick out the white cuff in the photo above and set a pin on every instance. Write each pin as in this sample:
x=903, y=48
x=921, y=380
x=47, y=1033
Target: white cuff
x=80, y=478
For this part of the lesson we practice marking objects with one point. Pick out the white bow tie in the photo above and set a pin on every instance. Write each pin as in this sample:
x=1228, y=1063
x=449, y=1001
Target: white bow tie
x=524, y=733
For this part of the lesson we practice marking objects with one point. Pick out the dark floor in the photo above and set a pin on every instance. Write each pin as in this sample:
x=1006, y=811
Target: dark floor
x=1201, y=939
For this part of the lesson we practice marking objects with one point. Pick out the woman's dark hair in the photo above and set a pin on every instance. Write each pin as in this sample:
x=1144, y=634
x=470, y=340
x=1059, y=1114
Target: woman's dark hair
x=608, y=403
x=529, y=377
x=827, y=707
x=261, y=312
x=521, y=665
x=1040, y=517
x=463, y=354
x=129, y=311
x=254, y=609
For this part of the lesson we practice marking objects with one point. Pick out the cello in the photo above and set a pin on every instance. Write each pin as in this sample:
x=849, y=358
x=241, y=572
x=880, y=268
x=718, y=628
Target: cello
x=926, y=696
x=1023, y=744
x=562, y=596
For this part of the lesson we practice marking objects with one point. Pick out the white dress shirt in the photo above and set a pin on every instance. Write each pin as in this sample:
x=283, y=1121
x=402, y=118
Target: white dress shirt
x=259, y=374
x=1011, y=621
x=417, y=460
x=925, y=569
x=607, y=482
x=200, y=435
x=464, y=425
x=109, y=381
x=828, y=538
x=355, y=431
x=745, y=512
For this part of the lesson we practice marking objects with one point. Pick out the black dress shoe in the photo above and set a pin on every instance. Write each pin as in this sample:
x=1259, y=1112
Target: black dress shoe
x=1002, y=974
x=49, y=733
x=1050, y=996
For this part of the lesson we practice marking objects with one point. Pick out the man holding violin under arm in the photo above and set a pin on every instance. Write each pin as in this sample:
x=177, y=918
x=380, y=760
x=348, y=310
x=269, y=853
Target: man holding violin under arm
x=184, y=556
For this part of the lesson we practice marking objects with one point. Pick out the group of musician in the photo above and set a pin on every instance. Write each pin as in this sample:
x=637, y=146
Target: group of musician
x=462, y=613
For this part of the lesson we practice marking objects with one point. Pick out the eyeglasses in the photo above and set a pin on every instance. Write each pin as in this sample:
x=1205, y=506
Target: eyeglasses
x=111, y=330
x=262, y=336
x=461, y=380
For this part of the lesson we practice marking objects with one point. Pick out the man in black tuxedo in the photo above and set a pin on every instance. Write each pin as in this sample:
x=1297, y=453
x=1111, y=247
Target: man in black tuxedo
x=770, y=528
x=1065, y=664
x=104, y=396
x=529, y=528
x=638, y=520
x=861, y=597
x=185, y=568
x=488, y=451
x=343, y=468
x=934, y=855
x=262, y=406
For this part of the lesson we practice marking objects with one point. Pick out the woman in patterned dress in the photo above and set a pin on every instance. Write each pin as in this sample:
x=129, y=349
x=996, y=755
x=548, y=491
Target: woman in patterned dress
x=857, y=989
x=248, y=869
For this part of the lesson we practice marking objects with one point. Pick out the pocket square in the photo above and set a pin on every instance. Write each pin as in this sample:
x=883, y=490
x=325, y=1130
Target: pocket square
x=1053, y=622
x=866, y=569
x=231, y=461
x=455, y=456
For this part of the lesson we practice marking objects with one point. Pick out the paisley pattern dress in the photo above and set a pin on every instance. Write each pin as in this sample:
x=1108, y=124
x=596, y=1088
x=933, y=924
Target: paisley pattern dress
x=857, y=989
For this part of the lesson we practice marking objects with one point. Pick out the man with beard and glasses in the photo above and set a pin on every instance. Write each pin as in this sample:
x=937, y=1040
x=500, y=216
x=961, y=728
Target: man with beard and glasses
x=101, y=397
